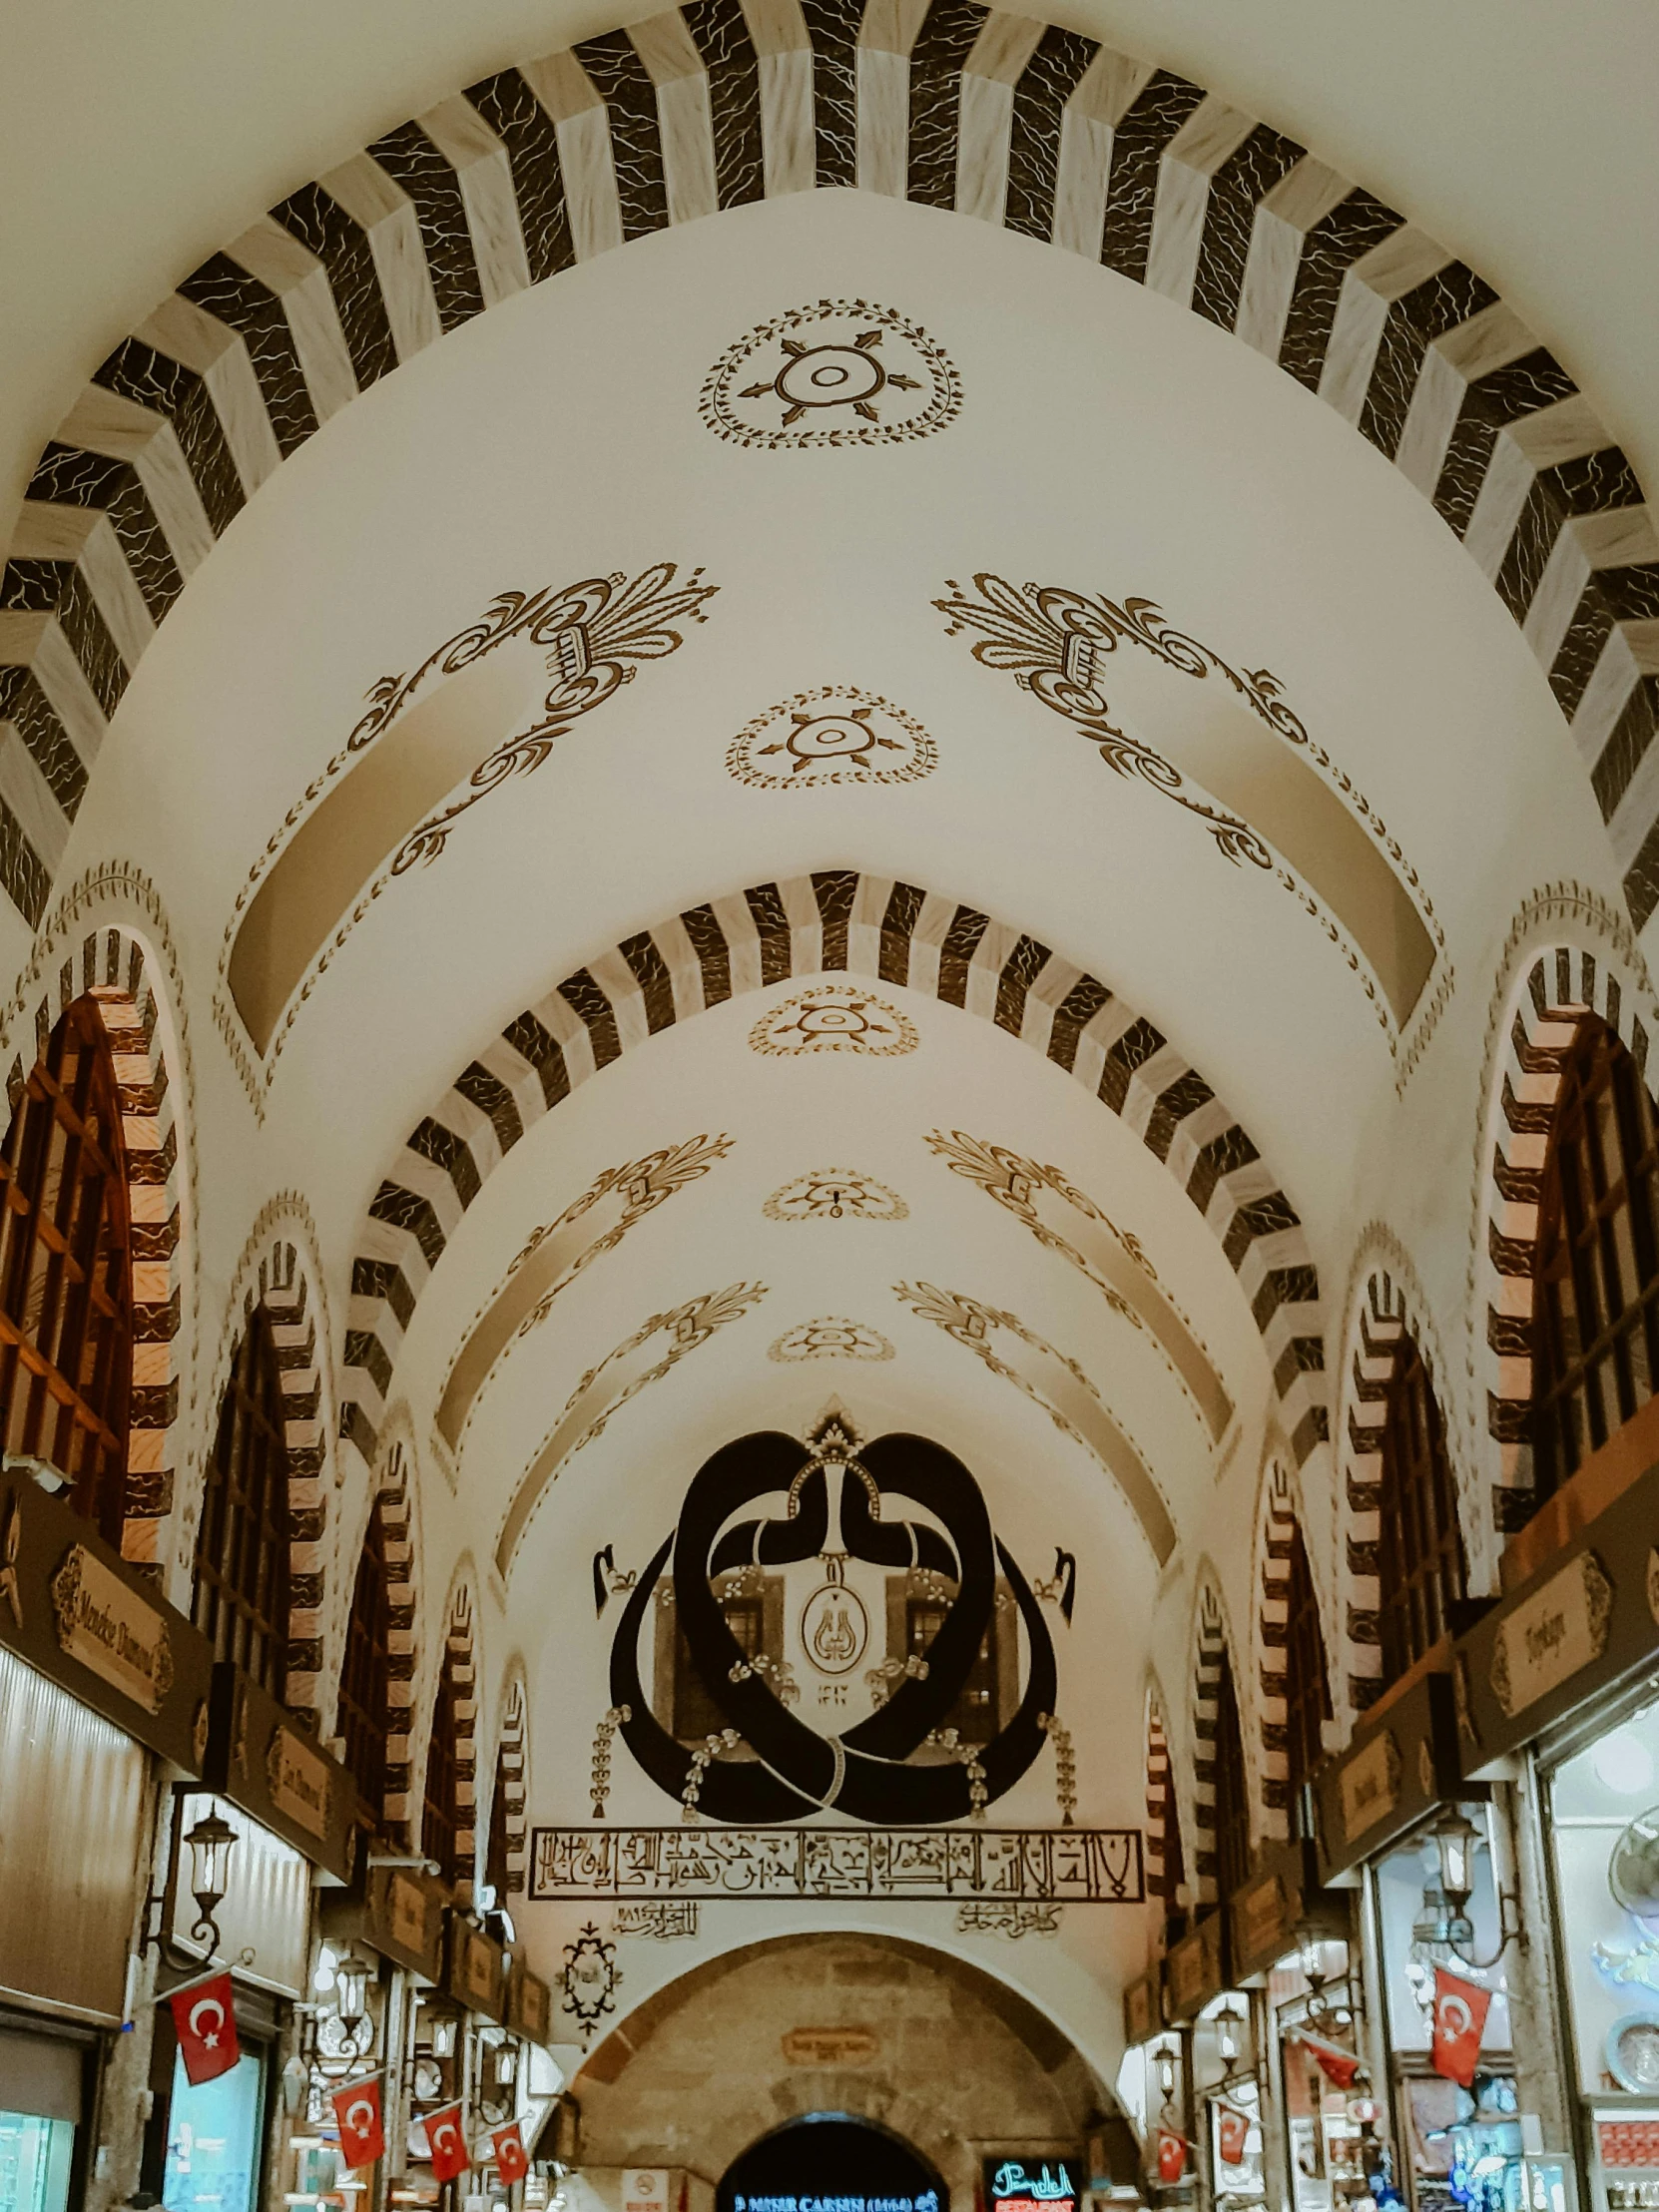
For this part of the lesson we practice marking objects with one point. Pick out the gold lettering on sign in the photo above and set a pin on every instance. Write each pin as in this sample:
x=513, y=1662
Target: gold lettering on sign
x=301, y=1781
x=108, y=1627
x=830, y=2046
x=409, y=1912
x=1368, y=1786
x=1265, y=1917
x=1560, y=1629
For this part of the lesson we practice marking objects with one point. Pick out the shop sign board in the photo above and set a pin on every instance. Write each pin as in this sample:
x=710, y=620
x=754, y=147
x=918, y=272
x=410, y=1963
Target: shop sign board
x=1401, y=1763
x=1143, y=2010
x=830, y=2046
x=1586, y=1618
x=1035, y=2184
x=529, y=2005
x=263, y=1762
x=397, y=1911
x=1282, y=1902
x=476, y=1970
x=79, y=1614
x=1195, y=1971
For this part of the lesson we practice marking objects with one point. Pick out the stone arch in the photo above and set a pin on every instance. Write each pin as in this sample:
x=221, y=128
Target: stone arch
x=1162, y=1811
x=1213, y=1645
x=1546, y=987
x=280, y=1272
x=116, y=966
x=456, y=1646
x=1386, y=1305
x=839, y=921
x=998, y=117
x=392, y=1485
x=1279, y=1514
x=511, y=1776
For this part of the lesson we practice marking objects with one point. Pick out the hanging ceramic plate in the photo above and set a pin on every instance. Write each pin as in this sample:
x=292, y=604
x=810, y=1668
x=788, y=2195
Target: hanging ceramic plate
x=1633, y=2053
x=1633, y=1865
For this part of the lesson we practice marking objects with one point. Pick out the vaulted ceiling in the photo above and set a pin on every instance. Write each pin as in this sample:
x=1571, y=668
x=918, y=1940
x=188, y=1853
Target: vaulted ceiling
x=979, y=735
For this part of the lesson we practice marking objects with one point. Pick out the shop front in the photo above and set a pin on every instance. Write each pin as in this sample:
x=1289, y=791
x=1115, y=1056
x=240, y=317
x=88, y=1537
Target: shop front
x=286, y=1812
x=1398, y=1822
x=96, y=1672
x=1309, y=2141
x=1558, y=1688
x=1151, y=2076
x=379, y=2018
x=1211, y=2020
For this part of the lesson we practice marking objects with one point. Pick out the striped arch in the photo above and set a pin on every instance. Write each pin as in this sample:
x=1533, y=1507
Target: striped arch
x=705, y=107
x=1558, y=987
x=279, y=1270
x=512, y=1776
x=113, y=965
x=1163, y=1815
x=458, y=1651
x=1278, y=1516
x=1389, y=1309
x=1212, y=1647
x=839, y=921
x=391, y=1482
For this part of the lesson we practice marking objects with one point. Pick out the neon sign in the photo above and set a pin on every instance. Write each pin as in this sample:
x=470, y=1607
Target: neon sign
x=1043, y=2185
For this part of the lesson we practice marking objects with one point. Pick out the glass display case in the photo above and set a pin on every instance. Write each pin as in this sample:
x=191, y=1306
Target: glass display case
x=1605, y=1807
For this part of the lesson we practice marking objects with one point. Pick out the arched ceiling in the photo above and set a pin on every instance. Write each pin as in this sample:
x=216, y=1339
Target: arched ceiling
x=609, y=790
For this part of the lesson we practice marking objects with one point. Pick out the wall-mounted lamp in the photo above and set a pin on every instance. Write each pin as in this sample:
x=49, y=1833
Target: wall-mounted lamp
x=209, y=1844
x=351, y=1988
x=442, y=2029
x=1444, y=1922
x=1166, y=2072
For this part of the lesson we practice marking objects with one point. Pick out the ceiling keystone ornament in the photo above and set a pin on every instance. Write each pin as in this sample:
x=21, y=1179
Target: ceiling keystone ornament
x=835, y=1017
x=1344, y=869
x=1060, y=1386
x=553, y=1256
x=1068, y=1222
x=829, y=1523
x=835, y=1194
x=382, y=806
x=833, y=372
x=831, y=1337
x=834, y=734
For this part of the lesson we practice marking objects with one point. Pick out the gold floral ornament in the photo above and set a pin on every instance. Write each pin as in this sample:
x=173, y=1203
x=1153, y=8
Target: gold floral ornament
x=835, y=1193
x=832, y=372
x=831, y=1337
x=835, y=1017
x=834, y=734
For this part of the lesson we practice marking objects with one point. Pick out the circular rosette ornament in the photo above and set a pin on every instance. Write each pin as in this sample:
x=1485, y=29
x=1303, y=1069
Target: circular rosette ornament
x=766, y=1511
x=833, y=372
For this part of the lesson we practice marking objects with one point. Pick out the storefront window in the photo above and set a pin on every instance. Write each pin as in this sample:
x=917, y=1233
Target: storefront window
x=1310, y=2009
x=1225, y=2073
x=34, y=2162
x=212, y=2140
x=1459, y=2147
x=1606, y=1803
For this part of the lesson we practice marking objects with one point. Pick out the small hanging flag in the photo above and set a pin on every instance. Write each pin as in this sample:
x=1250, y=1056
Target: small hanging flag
x=1461, y=2009
x=363, y=2136
x=204, y=2022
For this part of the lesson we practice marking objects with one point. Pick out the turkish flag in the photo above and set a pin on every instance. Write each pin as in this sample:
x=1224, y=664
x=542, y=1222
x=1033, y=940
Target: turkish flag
x=1232, y=2126
x=1461, y=2009
x=362, y=2135
x=1336, y=2063
x=204, y=2022
x=1172, y=2156
x=510, y=2161
x=446, y=2144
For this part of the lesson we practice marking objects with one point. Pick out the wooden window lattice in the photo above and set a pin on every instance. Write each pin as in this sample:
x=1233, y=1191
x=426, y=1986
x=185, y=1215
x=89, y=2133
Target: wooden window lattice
x=1307, y=1678
x=65, y=1324
x=241, y=1598
x=1420, y=1565
x=366, y=1677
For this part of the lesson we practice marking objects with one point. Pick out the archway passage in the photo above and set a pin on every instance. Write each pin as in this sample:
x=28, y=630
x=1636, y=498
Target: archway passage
x=855, y=2164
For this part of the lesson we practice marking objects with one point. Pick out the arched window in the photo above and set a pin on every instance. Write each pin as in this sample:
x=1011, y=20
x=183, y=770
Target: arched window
x=365, y=1678
x=1419, y=1564
x=1167, y=1872
x=440, y=1814
x=1232, y=1790
x=1307, y=1682
x=241, y=1600
x=66, y=1318
x=503, y=1832
x=1595, y=1306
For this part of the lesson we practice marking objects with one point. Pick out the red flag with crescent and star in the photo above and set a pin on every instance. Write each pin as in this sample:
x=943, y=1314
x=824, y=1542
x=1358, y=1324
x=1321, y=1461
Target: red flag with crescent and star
x=362, y=2135
x=510, y=2162
x=204, y=2022
x=1172, y=2156
x=1336, y=2063
x=1232, y=2134
x=1461, y=2009
x=447, y=2143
